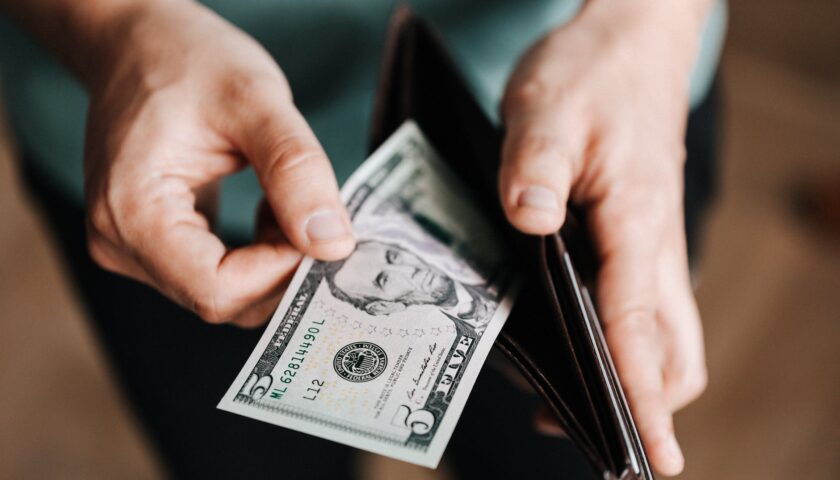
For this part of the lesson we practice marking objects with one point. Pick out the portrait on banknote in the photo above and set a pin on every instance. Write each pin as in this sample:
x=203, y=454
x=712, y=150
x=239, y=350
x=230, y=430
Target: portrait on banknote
x=380, y=349
x=382, y=278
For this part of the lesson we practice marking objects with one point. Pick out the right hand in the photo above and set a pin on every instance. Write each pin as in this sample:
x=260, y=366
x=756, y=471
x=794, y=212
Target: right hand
x=185, y=100
x=596, y=113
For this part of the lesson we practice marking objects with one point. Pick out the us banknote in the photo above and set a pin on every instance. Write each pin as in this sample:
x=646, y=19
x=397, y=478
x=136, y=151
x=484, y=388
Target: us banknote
x=380, y=350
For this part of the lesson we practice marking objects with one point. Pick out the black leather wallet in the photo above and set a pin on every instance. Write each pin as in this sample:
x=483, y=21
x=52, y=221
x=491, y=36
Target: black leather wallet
x=553, y=334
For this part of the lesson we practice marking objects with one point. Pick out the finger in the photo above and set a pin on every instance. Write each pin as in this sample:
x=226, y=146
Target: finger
x=538, y=167
x=267, y=231
x=108, y=256
x=638, y=363
x=297, y=178
x=627, y=231
x=685, y=374
x=173, y=244
x=259, y=313
x=546, y=424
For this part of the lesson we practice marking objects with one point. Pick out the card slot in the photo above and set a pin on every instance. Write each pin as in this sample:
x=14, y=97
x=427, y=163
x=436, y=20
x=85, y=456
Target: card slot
x=566, y=315
x=544, y=353
x=637, y=464
x=602, y=383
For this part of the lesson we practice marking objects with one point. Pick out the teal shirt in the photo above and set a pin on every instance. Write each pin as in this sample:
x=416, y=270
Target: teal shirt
x=330, y=52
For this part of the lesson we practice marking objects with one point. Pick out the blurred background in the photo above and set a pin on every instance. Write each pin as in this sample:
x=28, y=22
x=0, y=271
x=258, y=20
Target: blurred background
x=769, y=289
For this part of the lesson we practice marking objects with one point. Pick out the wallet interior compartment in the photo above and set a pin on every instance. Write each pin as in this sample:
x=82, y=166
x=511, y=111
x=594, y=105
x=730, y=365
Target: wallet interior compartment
x=530, y=341
x=596, y=369
x=419, y=81
x=568, y=319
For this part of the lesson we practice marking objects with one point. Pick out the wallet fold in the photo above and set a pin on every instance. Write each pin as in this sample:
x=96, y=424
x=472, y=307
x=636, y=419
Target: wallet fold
x=553, y=335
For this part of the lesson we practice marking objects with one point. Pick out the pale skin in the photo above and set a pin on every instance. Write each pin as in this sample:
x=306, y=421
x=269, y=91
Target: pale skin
x=595, y=114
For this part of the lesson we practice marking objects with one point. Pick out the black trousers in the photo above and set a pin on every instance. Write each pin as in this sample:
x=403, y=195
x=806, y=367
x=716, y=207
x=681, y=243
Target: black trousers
x=173, y=368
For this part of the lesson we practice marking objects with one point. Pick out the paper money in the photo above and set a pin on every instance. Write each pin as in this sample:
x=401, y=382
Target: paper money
x=380, y=350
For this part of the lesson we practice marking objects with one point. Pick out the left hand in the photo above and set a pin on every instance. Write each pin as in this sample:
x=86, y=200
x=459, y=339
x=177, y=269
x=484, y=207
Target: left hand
x=596, y=114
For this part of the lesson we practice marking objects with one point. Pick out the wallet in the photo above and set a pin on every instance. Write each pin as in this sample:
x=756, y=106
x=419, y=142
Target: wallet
x=553, y=335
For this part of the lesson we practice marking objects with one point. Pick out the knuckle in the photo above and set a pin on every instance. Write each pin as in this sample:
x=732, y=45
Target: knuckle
x=99, y=253
x=251, y=318
x=252, y=89
x=289, y=155
x=536, y=144
x=637, y=320
x=115, y=208
x=529, y=92
x=215, y=302
x=214, y=309
x=239, y=88
x=99, y=229
x=695, y=384
x=638, y=210
x=99, y=219
x=100, y=206
x=124, y=217
x=687, y=384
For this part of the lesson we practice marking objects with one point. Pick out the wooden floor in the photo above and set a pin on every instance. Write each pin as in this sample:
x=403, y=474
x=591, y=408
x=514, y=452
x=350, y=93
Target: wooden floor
x=769, y=292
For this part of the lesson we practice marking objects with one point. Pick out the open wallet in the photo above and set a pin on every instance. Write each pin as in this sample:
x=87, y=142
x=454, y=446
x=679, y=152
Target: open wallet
x=553, y=335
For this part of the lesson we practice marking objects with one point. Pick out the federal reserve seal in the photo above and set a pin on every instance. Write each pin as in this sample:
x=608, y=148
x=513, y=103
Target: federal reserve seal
x=360, y=362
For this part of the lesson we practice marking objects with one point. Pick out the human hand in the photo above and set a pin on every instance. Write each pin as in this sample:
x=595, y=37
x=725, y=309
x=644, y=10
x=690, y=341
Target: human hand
x=595, y=114
x=184, y=100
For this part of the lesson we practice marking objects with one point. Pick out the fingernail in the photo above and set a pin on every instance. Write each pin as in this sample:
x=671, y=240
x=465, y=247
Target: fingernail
x=538, y=197
x=325, y=226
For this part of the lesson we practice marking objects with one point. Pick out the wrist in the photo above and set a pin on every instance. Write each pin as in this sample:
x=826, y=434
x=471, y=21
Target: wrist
x=675, y=26
x=683, y=14
x=116, y=36
x=89, y=36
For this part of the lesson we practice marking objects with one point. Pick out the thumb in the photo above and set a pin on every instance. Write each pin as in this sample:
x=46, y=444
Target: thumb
x=537, y=171
x=298, y=180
